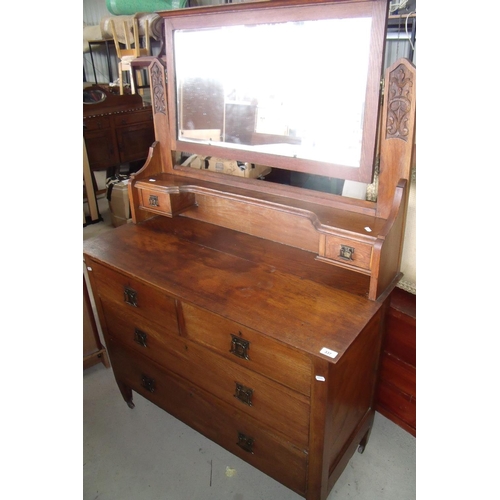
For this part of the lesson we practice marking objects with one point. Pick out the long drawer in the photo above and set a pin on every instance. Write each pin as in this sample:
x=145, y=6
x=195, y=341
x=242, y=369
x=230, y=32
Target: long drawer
x=273, y=404
x=130, y=296
x=248, y=348
x=239, y=433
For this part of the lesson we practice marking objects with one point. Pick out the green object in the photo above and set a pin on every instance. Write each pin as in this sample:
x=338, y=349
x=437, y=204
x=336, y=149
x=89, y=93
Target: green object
x=128, y=7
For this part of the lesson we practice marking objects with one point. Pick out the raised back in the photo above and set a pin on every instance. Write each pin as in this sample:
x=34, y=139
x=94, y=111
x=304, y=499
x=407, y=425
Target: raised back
x=361, y=236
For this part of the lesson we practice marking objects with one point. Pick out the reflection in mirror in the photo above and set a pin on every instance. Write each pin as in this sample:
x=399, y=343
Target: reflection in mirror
x=254, y=103
x=347, y=188
x=93, y=96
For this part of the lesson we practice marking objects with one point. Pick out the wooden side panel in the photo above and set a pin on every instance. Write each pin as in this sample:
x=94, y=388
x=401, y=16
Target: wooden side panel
x=397, y=132
x=342, y=408
x=152, y=167
x=317, y=475
x=160, y=155
x=157, y=77
x=387, y=251
x=352, y=389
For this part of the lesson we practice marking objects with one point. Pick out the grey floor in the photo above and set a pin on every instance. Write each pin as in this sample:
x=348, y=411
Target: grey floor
x=146, y=454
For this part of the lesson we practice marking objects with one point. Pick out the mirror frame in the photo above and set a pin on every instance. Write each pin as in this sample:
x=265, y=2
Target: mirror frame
x=276, y=12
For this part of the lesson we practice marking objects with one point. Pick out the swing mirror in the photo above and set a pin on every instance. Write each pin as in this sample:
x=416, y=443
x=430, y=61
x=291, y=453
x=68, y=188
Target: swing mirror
x=293, y=88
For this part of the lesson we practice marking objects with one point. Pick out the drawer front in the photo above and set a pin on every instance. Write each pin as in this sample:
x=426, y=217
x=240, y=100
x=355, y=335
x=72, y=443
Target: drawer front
x=155, y=201
x=251, y=393
x=248, y=348
x=130, y=295
x=137, y=332
x=96, y=123
x=348, y=251
x=134, y=117
x=230, y=428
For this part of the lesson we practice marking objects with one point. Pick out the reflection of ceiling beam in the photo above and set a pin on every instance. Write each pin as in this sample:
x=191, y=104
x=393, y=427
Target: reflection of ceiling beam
x=403, y=25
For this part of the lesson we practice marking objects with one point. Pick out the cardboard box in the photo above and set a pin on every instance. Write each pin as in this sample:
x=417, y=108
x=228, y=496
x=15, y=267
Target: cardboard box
x=223, y=166
x=119, y=204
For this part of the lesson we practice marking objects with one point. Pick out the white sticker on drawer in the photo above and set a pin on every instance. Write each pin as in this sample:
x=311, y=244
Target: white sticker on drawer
x=328, y=352
x=320, y=378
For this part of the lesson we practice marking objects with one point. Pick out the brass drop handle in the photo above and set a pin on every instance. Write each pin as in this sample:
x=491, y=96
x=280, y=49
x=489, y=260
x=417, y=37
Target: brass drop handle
x=240, y=347
x=130, y=296
x=346, y=252
x=244, y=394
x=153, y=201
x=140, y=337
x=148, y=383
x=245, y=442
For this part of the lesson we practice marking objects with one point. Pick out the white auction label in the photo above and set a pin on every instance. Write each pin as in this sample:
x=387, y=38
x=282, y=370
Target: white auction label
x=328, y=352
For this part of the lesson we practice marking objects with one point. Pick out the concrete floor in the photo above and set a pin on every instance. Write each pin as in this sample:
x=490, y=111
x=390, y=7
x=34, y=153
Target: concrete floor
x=146, y=454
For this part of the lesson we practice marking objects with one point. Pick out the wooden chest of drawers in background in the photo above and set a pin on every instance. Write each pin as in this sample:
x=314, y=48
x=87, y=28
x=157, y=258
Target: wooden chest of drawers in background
x=119, y=129
x=118, y=138
x=397, y=388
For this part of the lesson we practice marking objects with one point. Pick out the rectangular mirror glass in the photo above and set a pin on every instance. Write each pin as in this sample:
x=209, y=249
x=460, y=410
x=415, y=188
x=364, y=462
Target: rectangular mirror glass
x=295, y=88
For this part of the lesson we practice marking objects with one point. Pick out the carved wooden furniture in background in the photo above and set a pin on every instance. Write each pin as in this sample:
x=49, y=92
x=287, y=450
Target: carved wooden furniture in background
x=117, y=130
x=254, y=311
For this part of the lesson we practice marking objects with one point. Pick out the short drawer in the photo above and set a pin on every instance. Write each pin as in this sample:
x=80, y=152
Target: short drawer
x=243, y=436
x=97, y=123
x=155, y=200
x=348, y=251
x=130, y=118
x=138, y=332
x=161, y=202
x=129, y=294
x=249, y=348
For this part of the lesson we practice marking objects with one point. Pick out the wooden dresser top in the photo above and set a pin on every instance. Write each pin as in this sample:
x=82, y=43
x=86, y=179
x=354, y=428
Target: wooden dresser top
x=280, y=291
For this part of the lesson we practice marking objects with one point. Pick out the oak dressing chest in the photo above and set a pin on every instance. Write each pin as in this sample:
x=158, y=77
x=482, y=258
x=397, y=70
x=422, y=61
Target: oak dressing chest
x=252, y=310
